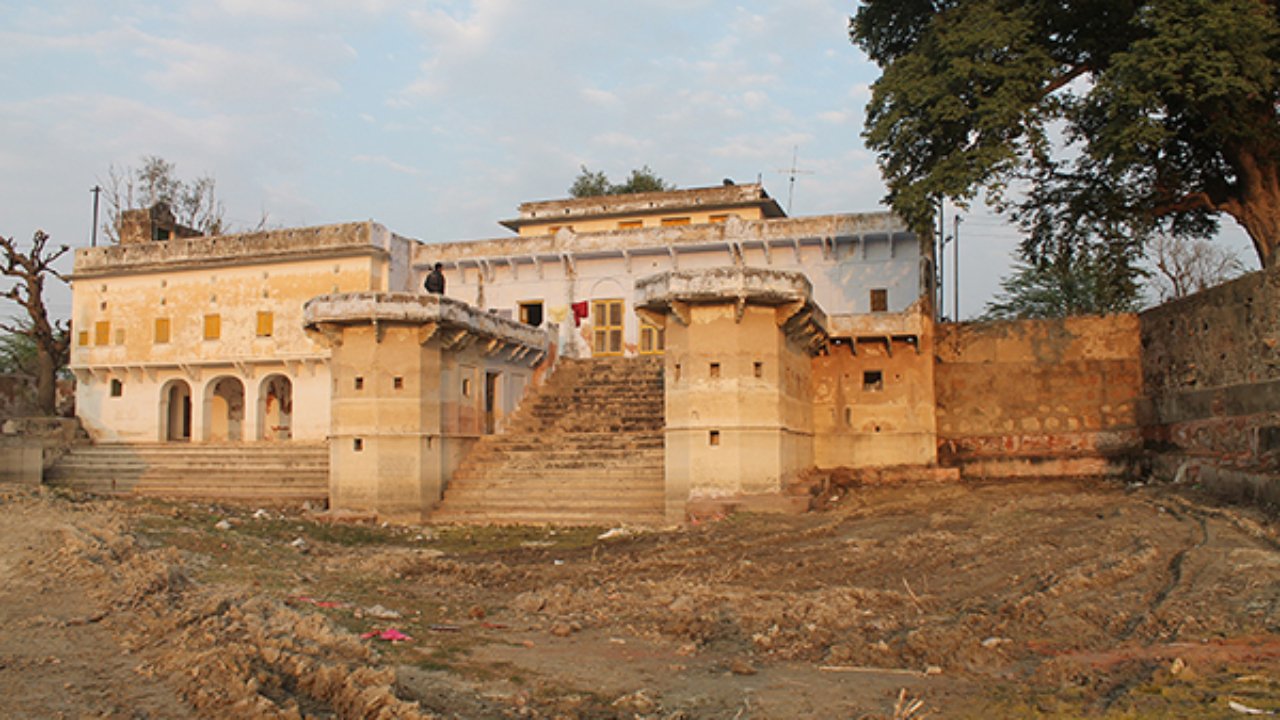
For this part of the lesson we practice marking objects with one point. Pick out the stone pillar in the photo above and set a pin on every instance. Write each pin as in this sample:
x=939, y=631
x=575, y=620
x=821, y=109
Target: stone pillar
x=738, y=384
x=394, y=437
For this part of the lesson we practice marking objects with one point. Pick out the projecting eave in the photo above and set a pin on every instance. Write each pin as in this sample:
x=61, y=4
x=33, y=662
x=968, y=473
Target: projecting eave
x=453, y=324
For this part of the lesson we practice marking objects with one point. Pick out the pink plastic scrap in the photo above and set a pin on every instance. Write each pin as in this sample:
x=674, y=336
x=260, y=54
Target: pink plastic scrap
x=390, y=635
x=320, y=603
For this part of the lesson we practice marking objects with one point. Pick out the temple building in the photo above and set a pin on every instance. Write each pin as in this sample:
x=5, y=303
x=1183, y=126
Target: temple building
x=782, y=343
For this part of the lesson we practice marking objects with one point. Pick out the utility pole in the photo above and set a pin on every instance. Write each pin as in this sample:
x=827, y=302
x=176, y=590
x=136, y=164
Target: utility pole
x=939, y=258
x=955, y=265
x=96, y=190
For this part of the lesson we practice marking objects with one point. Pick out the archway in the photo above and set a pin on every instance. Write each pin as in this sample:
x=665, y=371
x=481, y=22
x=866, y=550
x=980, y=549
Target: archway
x=275, y=409
x=224, y=410
x=175, y=412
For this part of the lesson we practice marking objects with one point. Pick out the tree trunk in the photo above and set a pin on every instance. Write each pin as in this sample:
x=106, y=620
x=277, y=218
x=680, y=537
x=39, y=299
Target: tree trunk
x=1258, y=207
x=46, y=383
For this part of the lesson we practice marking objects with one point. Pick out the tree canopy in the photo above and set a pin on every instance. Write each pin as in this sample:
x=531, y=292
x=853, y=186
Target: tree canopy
x=1117, y=117
x=1092, y=279
x=591, y=184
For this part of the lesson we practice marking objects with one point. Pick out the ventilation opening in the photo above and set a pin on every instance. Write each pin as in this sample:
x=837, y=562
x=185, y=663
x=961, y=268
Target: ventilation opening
x=872, y=381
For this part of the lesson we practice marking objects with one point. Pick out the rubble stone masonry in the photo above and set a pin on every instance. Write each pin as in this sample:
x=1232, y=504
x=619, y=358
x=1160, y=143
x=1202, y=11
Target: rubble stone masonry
x=1211, y=371
x=1037, y=397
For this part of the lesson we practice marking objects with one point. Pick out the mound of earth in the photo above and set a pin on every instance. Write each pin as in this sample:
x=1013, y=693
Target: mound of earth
x=1065, y=597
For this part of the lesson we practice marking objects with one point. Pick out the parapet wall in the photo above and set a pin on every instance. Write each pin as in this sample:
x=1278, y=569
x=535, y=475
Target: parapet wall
x=256, y=247
x=1211, y=372
x=1038, y=397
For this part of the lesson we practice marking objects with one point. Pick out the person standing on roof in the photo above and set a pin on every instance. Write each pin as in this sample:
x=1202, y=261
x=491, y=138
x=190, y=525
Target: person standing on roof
x=435, y=281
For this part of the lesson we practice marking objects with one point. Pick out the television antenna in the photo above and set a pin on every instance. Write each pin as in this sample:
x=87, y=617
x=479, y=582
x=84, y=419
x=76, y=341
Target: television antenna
x=793, y=171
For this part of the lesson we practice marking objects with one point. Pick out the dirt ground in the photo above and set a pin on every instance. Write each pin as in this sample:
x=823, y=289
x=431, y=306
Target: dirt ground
x=1064, y=598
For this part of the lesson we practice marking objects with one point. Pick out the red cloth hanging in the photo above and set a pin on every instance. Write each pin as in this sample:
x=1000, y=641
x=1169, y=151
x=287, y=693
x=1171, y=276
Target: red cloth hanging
x=580, y=311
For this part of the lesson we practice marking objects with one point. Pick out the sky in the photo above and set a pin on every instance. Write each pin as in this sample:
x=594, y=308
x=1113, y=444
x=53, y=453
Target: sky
x=437, y=119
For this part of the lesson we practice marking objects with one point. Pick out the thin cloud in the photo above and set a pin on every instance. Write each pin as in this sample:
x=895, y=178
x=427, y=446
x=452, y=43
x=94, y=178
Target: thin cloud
x=387, y=163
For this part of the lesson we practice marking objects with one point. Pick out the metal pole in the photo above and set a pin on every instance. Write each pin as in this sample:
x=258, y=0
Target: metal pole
x=96, y=190
x=955, y=266
x=940, y=257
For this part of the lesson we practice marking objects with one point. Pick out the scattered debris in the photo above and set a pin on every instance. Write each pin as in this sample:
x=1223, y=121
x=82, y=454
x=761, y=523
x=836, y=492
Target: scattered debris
x=390, y=635
x=382, y=613
x=1246, y=710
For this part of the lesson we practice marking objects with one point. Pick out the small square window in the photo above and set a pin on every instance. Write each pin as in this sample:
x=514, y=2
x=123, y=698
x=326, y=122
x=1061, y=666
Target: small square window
x=879, y=300
x=119, y=337
x=872, y=381
x=83, y=338
x=713, y=438
x=212, y=327
x=359, y=383
x=715, y=370
x=266, y=324
x=117, y=388
x=466, y=387
x=102, y=333
x=162, y=330
x=398, y=383
x=759, y=369
x=531, y=313
x=357, y=444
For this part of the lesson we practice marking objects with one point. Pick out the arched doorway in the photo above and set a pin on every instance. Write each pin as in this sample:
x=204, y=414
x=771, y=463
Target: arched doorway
x=224, y=410
x=275, y=409
x=175, y=412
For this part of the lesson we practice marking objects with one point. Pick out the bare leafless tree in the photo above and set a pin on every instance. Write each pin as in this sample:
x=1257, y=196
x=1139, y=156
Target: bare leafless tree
x=52, y=339
x=194, y=204
x=1183, y=266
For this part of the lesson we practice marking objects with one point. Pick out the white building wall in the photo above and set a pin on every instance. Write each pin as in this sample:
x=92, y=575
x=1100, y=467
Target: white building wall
x=856, y=255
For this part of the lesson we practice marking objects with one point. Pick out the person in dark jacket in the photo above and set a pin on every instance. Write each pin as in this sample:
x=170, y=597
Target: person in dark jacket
x=435, y=281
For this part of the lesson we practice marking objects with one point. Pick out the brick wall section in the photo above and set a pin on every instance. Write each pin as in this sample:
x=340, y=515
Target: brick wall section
x=1211, y=370
x=1037, y=389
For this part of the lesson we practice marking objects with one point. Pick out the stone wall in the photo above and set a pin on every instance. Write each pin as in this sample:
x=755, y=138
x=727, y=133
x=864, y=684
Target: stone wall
x=1211, y=372
x=873, y=392
x=1038, y=397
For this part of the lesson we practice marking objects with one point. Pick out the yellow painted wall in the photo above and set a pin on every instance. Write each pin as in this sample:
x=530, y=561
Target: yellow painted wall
x=585, y=225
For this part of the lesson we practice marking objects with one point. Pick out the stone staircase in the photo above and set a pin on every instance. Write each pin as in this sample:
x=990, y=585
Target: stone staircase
x=257, y=472
x=586, y=449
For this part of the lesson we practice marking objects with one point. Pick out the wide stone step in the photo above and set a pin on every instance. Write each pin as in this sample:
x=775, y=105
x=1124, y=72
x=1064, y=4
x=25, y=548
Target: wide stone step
x=601, y=473
x=609, y=453
x=282, y=472
x=649, y=499
x=587, y=449
x=315, y=492
x=640, y=459
x=599, y=517
x=568, y=440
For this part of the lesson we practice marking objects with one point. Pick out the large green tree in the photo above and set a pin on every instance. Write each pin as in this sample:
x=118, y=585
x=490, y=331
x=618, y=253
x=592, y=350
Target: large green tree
x=1118, y=117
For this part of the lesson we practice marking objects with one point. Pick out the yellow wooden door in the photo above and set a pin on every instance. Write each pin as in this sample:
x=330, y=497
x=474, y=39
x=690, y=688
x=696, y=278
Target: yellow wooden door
x=606, y=324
